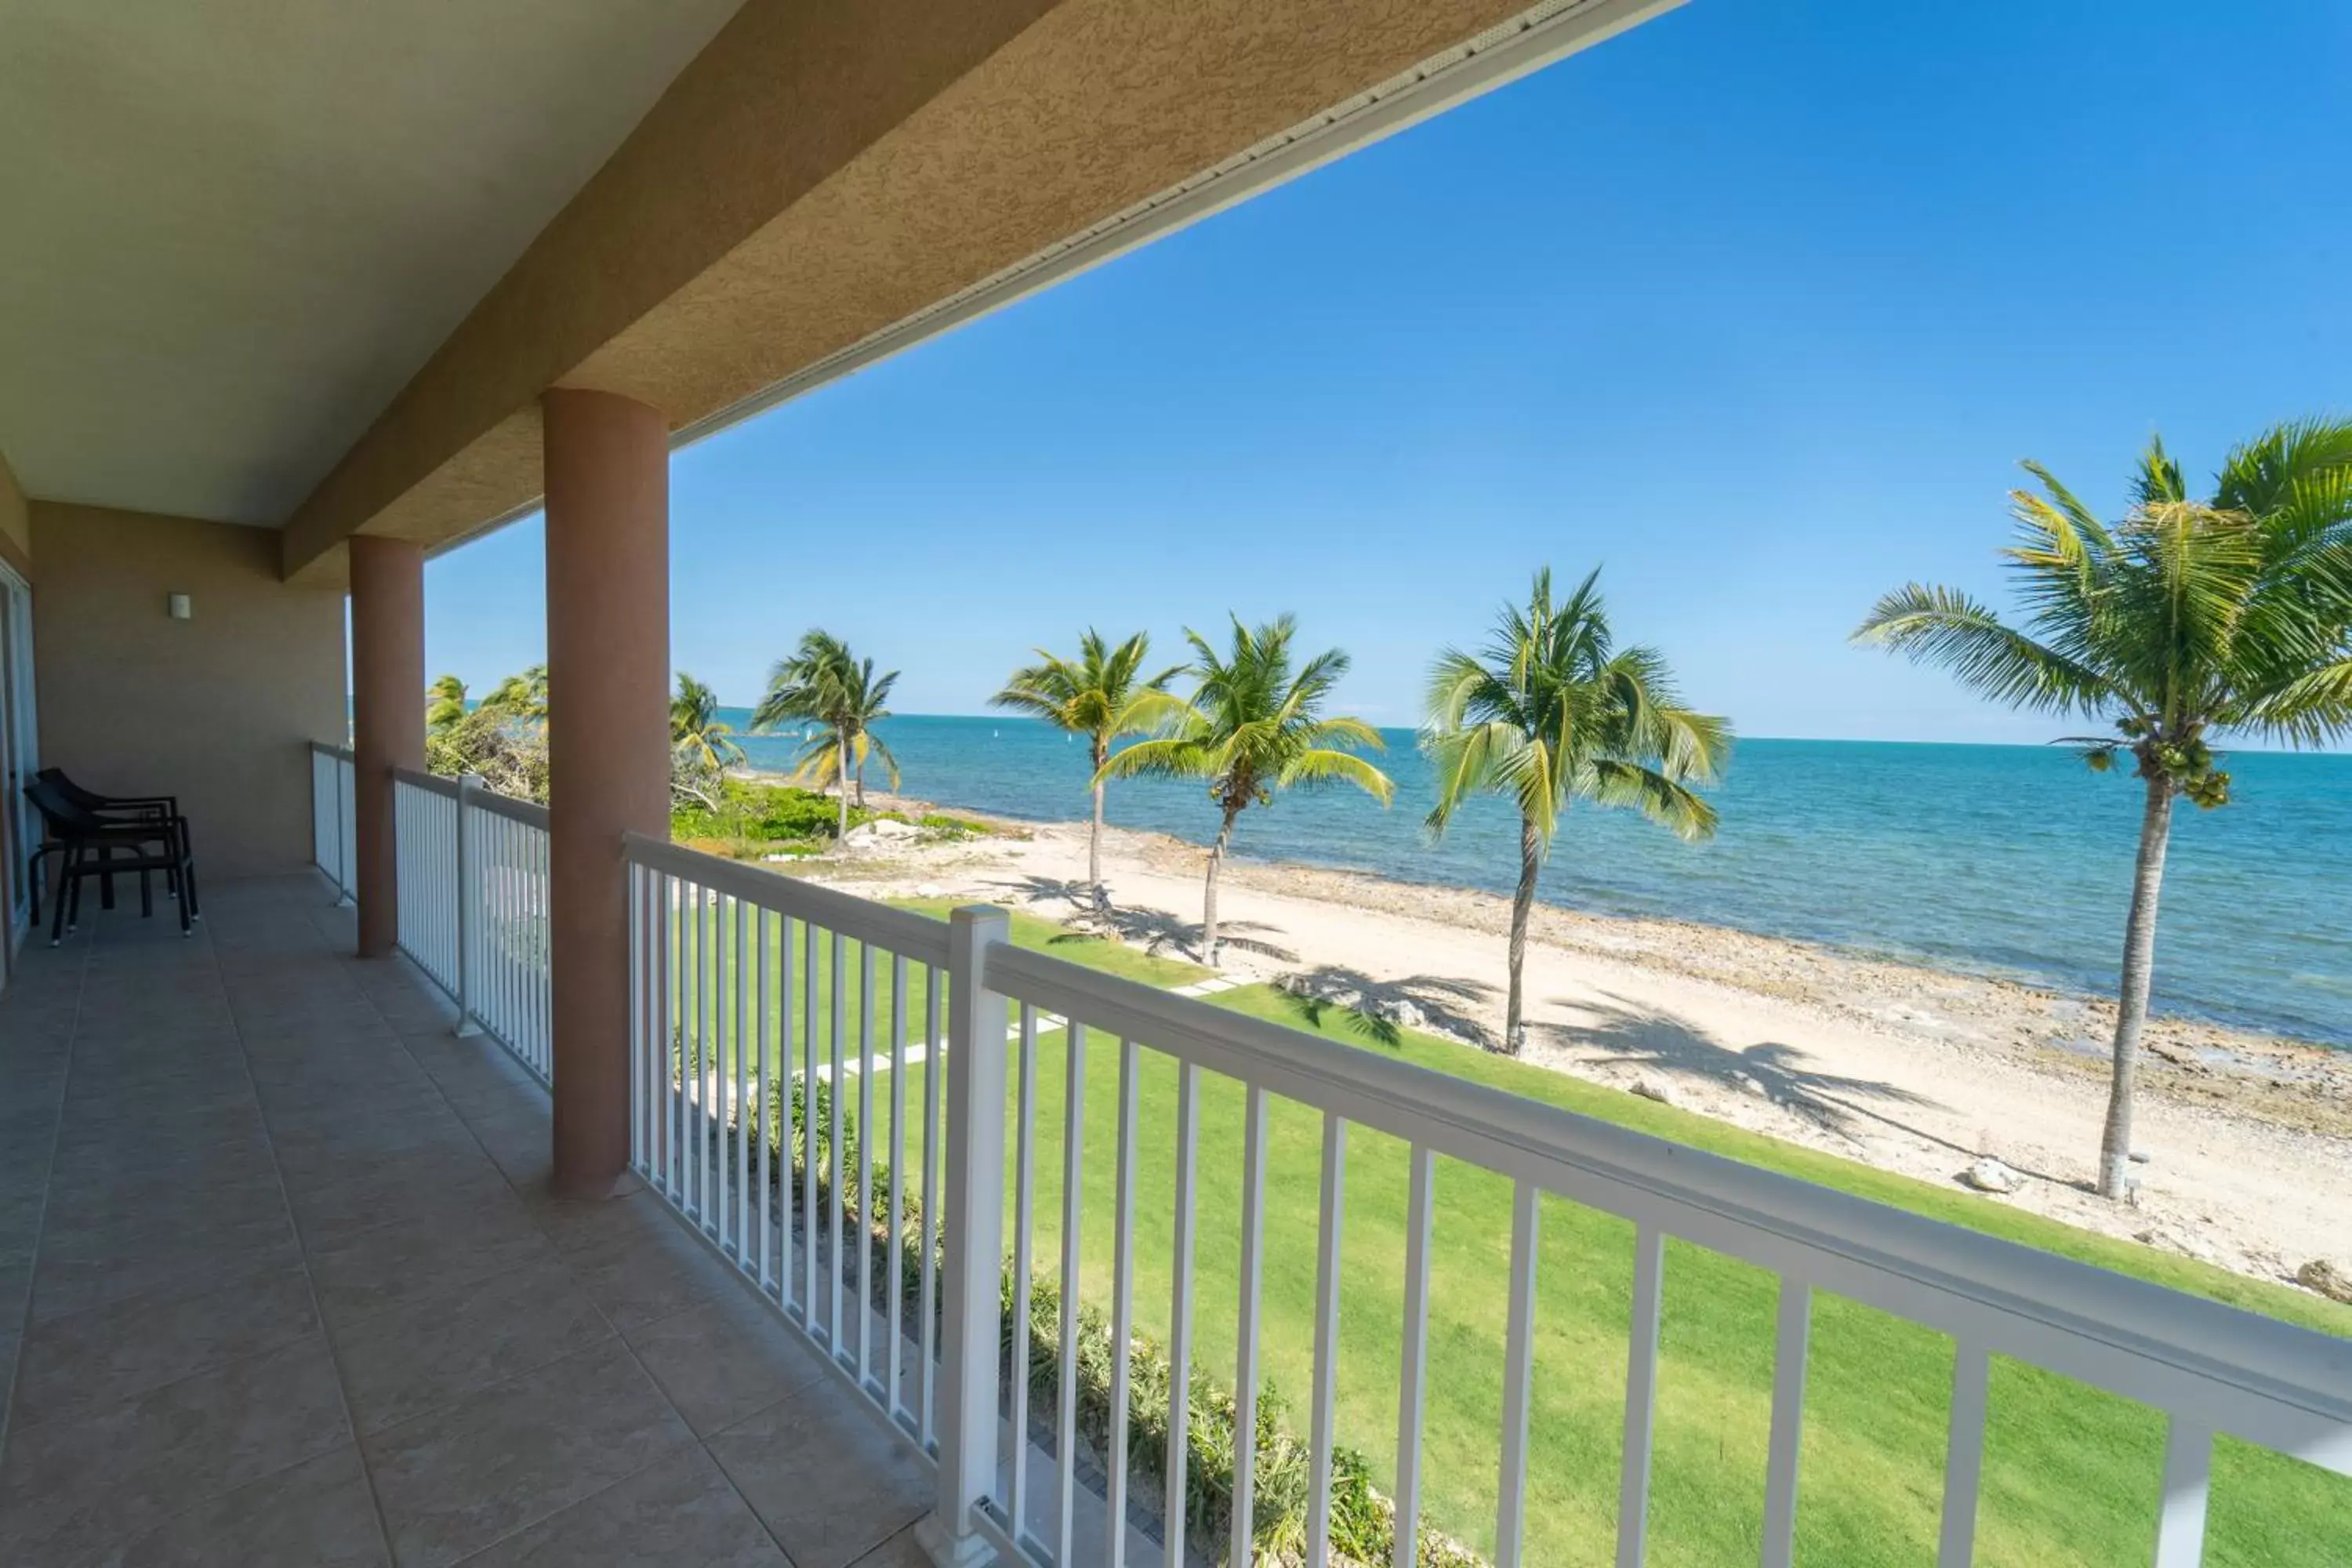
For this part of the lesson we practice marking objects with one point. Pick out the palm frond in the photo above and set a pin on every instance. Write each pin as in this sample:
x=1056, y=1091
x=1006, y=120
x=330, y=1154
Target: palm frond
x=1944, y=627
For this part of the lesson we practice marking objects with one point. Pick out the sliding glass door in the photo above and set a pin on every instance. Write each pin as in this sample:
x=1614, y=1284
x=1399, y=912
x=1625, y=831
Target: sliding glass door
x=17, y=755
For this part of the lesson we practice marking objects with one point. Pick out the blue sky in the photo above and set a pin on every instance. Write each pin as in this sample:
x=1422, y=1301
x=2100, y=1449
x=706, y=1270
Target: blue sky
x=1757, y=306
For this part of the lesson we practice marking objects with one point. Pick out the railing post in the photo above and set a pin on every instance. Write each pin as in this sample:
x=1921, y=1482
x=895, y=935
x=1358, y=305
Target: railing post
x=977, y=1020
x=342, y=850
x=467, y=784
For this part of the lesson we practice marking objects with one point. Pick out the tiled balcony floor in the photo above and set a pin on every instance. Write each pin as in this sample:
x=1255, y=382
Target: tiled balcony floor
x=280, y=1282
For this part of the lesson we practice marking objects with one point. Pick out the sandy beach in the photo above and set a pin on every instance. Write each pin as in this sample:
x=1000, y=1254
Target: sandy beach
x=1905, y=1067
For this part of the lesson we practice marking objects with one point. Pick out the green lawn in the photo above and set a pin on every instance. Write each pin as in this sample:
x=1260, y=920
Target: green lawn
x=2071, y=1476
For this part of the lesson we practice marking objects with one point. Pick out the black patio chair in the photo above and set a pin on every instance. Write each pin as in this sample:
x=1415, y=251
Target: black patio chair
x=131, y=807
x=88, y=845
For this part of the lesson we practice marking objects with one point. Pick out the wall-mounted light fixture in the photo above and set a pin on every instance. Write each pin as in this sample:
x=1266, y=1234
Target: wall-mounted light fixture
x=182, y=608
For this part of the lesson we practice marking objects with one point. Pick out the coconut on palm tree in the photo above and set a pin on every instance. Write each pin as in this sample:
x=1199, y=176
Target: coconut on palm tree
x=1254, y=726
x=2188, y=619
x=1102, y=694
x=1552, y=711
x=822, y=682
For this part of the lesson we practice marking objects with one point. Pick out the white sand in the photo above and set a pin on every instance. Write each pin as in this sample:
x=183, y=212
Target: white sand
x=1906, y=1069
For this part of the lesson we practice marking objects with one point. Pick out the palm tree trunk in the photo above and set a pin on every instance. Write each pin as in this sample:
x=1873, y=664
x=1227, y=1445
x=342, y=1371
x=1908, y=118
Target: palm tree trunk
x=2139, y=967
x=841, y=755
x=1094, y=835
x=1209, y=893
x=1515, y=1027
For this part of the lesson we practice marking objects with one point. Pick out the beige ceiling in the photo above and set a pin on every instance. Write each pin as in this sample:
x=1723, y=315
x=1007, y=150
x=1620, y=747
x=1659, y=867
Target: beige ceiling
x=231, y=230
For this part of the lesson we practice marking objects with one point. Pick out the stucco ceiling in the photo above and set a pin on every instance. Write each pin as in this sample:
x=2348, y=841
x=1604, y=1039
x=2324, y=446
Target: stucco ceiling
x=231, y=230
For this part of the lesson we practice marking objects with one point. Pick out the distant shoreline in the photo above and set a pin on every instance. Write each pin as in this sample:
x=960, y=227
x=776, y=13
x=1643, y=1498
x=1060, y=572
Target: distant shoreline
x=1405, y=881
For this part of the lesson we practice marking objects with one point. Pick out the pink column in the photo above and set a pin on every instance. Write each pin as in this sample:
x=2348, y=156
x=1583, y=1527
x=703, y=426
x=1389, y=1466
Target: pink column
x=387, y=717
x=607, y=472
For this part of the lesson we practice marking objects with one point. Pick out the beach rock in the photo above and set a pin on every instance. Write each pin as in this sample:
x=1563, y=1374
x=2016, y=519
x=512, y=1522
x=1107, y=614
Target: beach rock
x=1990, y=1175
x=927, y=891
x=2326, y=1278
x=1402, y=1012
x=1655, y=1088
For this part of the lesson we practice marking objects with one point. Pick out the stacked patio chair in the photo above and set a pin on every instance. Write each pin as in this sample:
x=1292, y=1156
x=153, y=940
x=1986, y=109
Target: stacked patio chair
x=105, y=835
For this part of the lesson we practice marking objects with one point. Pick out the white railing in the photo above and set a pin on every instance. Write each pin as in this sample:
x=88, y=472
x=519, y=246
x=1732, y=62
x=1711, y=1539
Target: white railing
x=473, y=906
x=742, y=988
x=737, y=1007
x=333, y=816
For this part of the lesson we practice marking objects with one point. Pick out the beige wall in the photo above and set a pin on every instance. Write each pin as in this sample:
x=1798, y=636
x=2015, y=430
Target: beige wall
x=216, y=708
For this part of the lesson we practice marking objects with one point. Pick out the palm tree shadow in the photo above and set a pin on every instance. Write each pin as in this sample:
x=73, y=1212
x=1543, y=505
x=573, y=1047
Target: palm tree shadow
x=1380, y=1010
x=1150, y=930
x=1832, y=1101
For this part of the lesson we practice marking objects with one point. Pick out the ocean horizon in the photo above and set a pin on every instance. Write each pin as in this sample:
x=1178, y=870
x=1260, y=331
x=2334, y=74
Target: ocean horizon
x=2004, y=860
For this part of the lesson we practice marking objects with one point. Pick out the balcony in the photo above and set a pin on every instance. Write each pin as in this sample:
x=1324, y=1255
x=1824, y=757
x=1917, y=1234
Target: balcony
x=296, y=1289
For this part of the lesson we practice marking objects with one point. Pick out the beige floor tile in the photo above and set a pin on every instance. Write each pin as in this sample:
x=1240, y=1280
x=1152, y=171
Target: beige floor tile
x=638, y=1263
x=446, y=1344
x=407, y=1186
x=681, y=1510
x=830, y=1483
x=725, y=1361
x=452, y=1481
x=319, y=1514
x=74, y=1486
x=87, y=1362
x=370, y=1271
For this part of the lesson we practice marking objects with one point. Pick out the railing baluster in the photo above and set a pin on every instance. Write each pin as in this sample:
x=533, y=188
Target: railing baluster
x=1788, y=1423
x=1180, y=1316
x=812, y=1225
x=837, y=996
x=691, y=1067
x=671, y=979
x=895, y=1316
x=1324, y=1412
x=1074, y=1176
x=1640, y=1396
x=1413, y=1371
x=935, y=982
x=1024, y=1168
x=762, y=1115
x=637, y=1030
x=1122, y=1305
x=865, y=1161
x=1519, y=1376
x=726, y=1044
x=1964, y=1456
x=738, y=987
x=2188, y=1476
x=1245, y=1374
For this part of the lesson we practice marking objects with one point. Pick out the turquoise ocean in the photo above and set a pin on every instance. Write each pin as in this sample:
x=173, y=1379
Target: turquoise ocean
x=2007, y=860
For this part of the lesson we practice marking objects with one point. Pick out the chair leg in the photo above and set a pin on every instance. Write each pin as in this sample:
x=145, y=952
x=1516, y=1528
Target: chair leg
x=73, y=892
x=65, y=882
x=33, y=883
x=146, y=895
x=196, y=911
x=105, y=883
x=188, y=907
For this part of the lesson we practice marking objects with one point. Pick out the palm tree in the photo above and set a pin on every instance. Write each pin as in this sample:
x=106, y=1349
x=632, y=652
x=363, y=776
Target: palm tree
x=1552, y=711
x=822, y=682
x=696, y=731
x=444, y=704
x=1103, y=695
x=1255, y=727
x=522, y=697
x=2186, y=619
